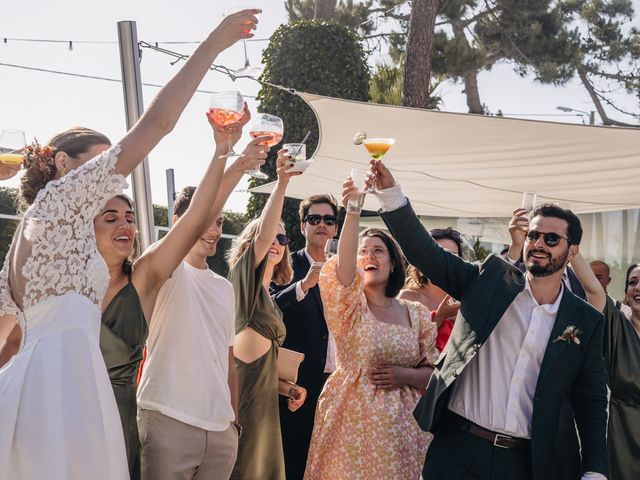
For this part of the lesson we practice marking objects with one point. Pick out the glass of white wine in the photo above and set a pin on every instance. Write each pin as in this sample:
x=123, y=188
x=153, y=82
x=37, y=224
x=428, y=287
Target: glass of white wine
x=12, y=142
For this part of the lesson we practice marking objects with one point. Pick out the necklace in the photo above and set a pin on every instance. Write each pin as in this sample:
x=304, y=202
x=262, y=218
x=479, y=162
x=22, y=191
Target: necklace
x=381, y=306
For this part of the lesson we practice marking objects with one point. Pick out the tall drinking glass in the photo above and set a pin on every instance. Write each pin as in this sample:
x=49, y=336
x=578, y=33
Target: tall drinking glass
x=248, y=69
x=330, y=248
x=529, y=200
x=264, y=124
x=359, y=178
x=225, y=108
x=377, y=147
x=11, y=144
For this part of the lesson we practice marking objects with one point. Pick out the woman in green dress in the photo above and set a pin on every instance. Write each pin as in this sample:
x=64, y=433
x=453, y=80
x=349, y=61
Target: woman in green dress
x=622, y=359
x=133, y=286
x=259, y=256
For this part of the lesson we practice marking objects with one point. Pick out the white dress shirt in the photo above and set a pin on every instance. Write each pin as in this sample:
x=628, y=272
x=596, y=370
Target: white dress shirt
x=330, y=363
x=508, y=364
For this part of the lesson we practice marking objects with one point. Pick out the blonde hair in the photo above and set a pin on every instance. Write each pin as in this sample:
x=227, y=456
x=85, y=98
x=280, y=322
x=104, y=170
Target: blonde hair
x=282, y=272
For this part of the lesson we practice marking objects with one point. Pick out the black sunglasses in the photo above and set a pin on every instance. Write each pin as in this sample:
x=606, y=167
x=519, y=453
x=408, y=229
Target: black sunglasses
x=282, y=239
x=313, y=219
x=438, y=233
x=550, y=238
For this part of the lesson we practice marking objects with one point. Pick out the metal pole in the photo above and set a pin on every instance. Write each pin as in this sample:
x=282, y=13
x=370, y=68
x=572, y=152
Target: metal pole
x=592, y=117
x=171, y=194
x=132, y=86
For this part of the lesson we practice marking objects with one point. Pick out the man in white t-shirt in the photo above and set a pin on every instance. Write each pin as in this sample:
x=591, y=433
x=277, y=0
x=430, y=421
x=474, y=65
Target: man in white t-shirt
x=187, y=397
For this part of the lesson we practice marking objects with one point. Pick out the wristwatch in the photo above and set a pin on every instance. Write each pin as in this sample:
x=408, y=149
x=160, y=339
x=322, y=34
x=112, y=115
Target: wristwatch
x=238, y=429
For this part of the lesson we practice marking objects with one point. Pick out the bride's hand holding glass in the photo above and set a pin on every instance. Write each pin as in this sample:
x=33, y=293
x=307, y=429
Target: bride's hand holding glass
x=235, y=26
x=284, y=163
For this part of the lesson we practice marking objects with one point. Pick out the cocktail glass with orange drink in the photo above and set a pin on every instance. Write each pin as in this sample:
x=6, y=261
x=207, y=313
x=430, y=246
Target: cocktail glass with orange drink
x=266, y=125
x=11, y=144
x=377, y=148
x=226, y=108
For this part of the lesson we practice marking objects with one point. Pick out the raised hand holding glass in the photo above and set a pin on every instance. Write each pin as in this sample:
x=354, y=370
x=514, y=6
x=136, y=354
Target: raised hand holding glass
x=226, y=108
x=262, y=125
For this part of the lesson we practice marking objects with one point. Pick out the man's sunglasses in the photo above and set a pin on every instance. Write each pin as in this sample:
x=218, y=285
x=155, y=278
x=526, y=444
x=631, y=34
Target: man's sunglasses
x=282, y=239
x=329, y=220
x=550, y=238
x=438, y=233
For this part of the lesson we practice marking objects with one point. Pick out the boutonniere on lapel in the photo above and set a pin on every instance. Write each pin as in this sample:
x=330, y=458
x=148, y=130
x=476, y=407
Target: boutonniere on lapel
x=570, y=335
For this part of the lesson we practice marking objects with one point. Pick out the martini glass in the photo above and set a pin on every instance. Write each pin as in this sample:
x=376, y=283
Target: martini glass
x=377, y=147
x=248, y=70
x=265, y=125
x=11, y=144
x=225, y=108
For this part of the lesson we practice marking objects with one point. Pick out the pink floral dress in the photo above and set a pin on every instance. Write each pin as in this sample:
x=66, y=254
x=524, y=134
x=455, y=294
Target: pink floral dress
x=360, y=431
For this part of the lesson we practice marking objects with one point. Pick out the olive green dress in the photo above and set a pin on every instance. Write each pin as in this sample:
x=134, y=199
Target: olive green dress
x=123, y=332
x=260, y=455
x=622, y=359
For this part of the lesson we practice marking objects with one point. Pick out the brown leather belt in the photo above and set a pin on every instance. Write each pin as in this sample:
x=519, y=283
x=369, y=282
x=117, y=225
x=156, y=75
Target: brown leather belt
x=497, y=439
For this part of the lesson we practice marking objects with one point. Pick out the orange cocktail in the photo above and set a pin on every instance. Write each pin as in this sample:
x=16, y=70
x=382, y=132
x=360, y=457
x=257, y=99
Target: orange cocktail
x=377, y=147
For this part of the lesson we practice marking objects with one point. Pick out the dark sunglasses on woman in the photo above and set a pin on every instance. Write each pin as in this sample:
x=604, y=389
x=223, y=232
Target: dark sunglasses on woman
x=282, y=239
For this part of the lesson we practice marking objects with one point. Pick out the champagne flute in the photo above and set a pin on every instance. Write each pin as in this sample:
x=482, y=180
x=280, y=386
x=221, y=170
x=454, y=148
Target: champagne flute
x=265, y=125
x=377, y=147
x=226, y=108
x=330, y=248
x=359, y=178
x=248, y=70
x=11, y=144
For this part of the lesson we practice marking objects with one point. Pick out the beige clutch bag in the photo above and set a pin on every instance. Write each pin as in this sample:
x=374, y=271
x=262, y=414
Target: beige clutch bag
x=288, y=363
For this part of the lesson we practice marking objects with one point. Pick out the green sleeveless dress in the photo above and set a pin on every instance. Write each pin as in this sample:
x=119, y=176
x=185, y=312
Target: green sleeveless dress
x=123, y=332
x=260, y=454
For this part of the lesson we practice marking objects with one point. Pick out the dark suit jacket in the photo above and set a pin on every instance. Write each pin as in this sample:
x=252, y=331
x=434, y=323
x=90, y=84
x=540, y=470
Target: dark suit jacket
x=307, y=332
x=568, y=370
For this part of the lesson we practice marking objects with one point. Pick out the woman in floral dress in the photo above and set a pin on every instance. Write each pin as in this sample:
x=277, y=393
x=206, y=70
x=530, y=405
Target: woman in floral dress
x=364, y=426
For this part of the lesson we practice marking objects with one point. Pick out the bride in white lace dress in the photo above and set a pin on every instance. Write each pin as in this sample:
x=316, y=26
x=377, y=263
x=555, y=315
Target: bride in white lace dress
x=58, y=416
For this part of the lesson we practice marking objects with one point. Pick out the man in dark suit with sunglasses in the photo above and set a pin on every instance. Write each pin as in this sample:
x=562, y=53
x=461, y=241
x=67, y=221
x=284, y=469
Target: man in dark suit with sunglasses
x=307, y=331
x=521, y=345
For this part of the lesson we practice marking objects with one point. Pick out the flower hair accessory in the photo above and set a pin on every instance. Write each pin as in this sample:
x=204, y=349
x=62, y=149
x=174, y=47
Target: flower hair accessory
x=40, y=155
x=570, y=335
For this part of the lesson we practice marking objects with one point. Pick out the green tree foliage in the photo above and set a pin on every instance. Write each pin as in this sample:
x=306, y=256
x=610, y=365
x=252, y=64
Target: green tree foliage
x=386, y=86
x=347, y=13
x=8, y=206
x=315, y=57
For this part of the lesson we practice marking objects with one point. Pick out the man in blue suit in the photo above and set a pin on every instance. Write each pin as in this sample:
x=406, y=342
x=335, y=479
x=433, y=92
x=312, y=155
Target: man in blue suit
x=521, y=345
x=307, y=331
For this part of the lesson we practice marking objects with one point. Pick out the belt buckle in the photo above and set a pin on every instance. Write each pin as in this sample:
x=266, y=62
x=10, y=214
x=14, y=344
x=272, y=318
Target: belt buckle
x=496, y=440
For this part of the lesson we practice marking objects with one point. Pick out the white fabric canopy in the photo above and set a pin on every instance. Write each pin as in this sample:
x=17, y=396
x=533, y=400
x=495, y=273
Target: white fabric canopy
x=463, y=165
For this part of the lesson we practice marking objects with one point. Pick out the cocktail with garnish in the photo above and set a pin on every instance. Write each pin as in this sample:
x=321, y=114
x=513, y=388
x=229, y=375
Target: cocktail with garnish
x=377, y=148
x=226, y=108
x=266, y=125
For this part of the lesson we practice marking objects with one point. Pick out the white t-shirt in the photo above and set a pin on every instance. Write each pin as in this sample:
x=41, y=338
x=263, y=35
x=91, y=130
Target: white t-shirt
x=185, y=375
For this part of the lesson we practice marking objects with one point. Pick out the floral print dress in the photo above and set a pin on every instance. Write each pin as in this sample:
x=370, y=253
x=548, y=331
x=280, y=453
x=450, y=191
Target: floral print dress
x=361, y=431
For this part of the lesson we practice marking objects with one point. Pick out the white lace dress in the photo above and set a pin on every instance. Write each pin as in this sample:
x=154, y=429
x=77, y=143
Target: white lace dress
x=58, y=416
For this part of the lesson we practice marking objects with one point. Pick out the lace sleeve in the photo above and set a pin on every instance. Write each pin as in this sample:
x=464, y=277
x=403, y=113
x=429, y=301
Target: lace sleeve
x=7, y=305
x=83, y=191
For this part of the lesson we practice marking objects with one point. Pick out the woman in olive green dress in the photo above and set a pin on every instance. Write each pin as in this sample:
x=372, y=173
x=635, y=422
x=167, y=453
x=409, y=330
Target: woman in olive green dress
x=622, y=360
x=260, y=255
x=133, y=287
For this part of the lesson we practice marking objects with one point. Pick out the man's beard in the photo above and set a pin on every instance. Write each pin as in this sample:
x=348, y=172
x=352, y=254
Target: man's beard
x=555, y=264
